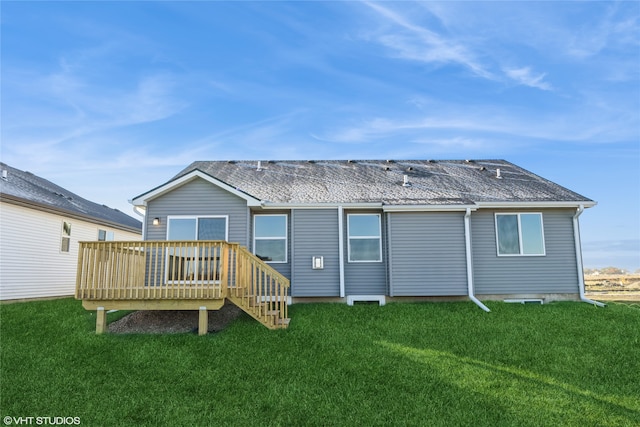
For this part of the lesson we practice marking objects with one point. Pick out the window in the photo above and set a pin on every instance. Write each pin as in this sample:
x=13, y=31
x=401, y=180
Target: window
x=520, y=234
x=197, y=228
x=66, y=236
x=183, y=263
x=365, y=242
x=270, y=238
x=105, y=236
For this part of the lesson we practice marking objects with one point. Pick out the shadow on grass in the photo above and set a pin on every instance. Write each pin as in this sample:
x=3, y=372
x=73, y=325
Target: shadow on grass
x=520, y=387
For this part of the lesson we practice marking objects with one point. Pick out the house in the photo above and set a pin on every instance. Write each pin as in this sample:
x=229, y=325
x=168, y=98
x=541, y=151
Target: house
x=380, y=230
x=41, y=224
x=263, y=234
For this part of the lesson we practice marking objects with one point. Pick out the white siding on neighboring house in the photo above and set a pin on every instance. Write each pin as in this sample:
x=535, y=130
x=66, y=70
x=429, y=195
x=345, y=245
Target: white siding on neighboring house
x=32, y=264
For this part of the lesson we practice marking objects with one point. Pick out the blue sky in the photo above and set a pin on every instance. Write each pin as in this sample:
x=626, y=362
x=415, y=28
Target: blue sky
x=110, y=99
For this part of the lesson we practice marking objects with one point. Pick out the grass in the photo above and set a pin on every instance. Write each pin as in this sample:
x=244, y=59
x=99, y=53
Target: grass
x=402, y=364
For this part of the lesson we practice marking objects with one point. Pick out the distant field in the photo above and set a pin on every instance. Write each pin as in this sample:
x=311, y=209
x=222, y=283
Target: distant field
x=613, y=286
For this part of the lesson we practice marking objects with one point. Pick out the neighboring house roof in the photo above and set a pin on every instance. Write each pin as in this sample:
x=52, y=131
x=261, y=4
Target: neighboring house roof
x=430, y=183
x=27, y=189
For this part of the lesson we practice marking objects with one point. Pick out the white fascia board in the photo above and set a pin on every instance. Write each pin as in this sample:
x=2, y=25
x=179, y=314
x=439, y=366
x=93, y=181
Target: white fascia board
x=429, y=208
x=142, y=199
x=363, y=205
x=539, y=205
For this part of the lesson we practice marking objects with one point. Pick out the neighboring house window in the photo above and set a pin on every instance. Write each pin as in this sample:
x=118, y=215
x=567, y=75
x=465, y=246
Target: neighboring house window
x=183, y=263
x=66, y=236
x=520, y=234
x=270, y=238
x=365, y=241
x=105, y=236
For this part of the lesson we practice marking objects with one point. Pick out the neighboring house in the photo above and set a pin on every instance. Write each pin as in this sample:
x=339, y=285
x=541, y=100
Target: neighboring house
x=378, y=230
x=40, y=227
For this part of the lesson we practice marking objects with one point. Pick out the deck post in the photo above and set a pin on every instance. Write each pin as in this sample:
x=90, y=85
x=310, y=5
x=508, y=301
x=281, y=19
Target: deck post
x=203, y=321
x=101, y=320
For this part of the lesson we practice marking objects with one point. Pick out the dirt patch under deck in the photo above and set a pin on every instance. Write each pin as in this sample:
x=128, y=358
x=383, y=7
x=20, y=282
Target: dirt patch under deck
x=173, y=322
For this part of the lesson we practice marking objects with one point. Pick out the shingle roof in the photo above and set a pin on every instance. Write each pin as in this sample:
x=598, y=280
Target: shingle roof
x=441, y=182
x=27, y=187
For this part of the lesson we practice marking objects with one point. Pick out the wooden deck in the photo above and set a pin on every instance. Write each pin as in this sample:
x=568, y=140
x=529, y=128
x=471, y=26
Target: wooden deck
x=179, y=275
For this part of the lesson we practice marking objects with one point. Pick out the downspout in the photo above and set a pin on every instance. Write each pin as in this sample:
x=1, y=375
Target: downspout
x=341, y=248
x=576, y=238
x=467, y=241
x=142, y=212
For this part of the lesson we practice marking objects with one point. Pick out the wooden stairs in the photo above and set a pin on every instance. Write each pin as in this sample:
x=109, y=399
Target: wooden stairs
x=259, y=290
x=264, y=311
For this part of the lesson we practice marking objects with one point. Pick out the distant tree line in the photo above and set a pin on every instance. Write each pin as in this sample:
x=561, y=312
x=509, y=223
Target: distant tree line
x=609, y=270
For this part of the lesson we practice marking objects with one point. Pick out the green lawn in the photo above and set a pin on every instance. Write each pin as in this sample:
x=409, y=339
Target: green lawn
x=402, y=364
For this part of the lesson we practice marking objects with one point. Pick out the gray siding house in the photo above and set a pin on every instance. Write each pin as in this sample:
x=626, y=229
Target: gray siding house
x=384, y=230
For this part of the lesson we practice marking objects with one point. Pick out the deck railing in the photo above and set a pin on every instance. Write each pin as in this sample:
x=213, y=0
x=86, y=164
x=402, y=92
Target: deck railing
x=180, y=270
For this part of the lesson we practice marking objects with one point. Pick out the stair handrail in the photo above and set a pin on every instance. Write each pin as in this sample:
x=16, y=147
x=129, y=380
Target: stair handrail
x=259, y=284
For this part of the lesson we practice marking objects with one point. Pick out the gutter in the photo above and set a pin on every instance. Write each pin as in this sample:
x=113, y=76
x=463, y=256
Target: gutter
x=428, y=208
x=576, y=238
x=467, y=241
x=534, y=204
x=328, y=205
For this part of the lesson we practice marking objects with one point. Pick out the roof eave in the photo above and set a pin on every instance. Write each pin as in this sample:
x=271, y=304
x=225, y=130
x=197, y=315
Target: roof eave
x=144, y=198
x=30, y=204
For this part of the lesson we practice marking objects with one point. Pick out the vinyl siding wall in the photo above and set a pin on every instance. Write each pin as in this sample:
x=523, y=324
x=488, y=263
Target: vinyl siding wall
x=556, y=272
x=314, y=232
x=199, y=198
x=427, y=254
x=31, y=263
x=365, y=278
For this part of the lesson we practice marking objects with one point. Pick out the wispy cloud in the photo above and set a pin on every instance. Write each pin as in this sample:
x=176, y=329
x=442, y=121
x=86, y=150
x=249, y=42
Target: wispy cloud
x=411, y=41
x=526, y=77
x=486, y=125
x=148, y=99
x=415, y=42
x=617, y=25
x=86, y=89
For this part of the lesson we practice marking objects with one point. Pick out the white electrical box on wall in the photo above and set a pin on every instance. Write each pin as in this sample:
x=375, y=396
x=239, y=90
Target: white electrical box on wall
x=317, y=262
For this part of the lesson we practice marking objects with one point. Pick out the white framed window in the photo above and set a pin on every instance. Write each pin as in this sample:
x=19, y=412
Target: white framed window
x=365, y=237
x=105, y=236
x=190, y=263
x=520, y=234
x=214, y=227
x=270, y=238
x=65, y=244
